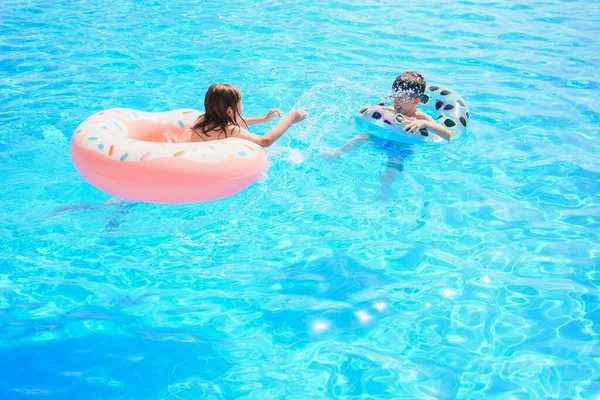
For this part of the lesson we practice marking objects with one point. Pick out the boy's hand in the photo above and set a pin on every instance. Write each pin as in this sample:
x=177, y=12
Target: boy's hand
x=414, y=125
x=330, y=154
x=384, y=101
x=271, y=114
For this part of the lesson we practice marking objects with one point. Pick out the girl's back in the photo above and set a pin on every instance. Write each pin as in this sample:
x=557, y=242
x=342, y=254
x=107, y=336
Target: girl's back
x=222, y=119
x=196, y=135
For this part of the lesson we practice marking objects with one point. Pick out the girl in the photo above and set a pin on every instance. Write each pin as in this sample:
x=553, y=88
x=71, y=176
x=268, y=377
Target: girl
x=223, y=116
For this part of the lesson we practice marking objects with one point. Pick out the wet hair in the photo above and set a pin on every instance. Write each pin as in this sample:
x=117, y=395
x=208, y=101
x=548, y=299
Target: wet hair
x=409, y=83
x=219, y=97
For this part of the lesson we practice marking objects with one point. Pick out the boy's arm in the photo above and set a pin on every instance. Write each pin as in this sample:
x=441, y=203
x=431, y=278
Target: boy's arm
x=421, y=115
x=439, y=130
x=352, y=143
x=423, y=120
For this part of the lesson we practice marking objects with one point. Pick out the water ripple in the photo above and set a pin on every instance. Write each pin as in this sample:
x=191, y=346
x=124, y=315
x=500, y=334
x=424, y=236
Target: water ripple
x=477, y=278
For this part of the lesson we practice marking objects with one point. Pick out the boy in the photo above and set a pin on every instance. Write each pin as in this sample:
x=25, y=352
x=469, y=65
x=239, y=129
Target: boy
x=407, y=90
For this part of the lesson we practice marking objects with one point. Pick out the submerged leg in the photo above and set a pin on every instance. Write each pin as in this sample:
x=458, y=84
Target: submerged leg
x=394, y=166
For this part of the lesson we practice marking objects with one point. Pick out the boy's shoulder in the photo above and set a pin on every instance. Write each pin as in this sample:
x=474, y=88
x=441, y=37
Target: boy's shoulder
x=421, y=115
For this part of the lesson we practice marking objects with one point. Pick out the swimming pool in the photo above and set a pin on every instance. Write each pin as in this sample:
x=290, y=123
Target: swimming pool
x=477, y=278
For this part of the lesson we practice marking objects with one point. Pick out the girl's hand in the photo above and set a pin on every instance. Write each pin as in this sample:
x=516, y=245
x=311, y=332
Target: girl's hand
x=414, y=125
x=271, y=114
x=297, y=115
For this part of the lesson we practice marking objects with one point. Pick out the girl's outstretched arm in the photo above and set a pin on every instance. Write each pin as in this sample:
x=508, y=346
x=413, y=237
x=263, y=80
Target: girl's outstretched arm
x=259, y=120
x=270, y=137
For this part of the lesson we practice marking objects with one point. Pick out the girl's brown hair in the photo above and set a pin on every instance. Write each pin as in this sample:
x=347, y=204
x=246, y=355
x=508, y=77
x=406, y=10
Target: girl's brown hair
x=219, y=97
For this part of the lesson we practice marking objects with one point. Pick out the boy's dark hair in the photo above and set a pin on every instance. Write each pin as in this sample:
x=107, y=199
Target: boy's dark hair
x=409, y=82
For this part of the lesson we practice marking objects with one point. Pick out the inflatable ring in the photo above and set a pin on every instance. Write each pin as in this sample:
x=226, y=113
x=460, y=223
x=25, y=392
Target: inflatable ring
x=125, y=153
x=448, y=107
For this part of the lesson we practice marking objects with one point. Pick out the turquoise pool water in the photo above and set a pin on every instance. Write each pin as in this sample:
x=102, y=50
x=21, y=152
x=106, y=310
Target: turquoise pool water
x=477, y=278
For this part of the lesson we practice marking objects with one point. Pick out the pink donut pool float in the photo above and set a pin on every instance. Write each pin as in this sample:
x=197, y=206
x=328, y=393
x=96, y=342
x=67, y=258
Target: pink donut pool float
x=126, y=153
